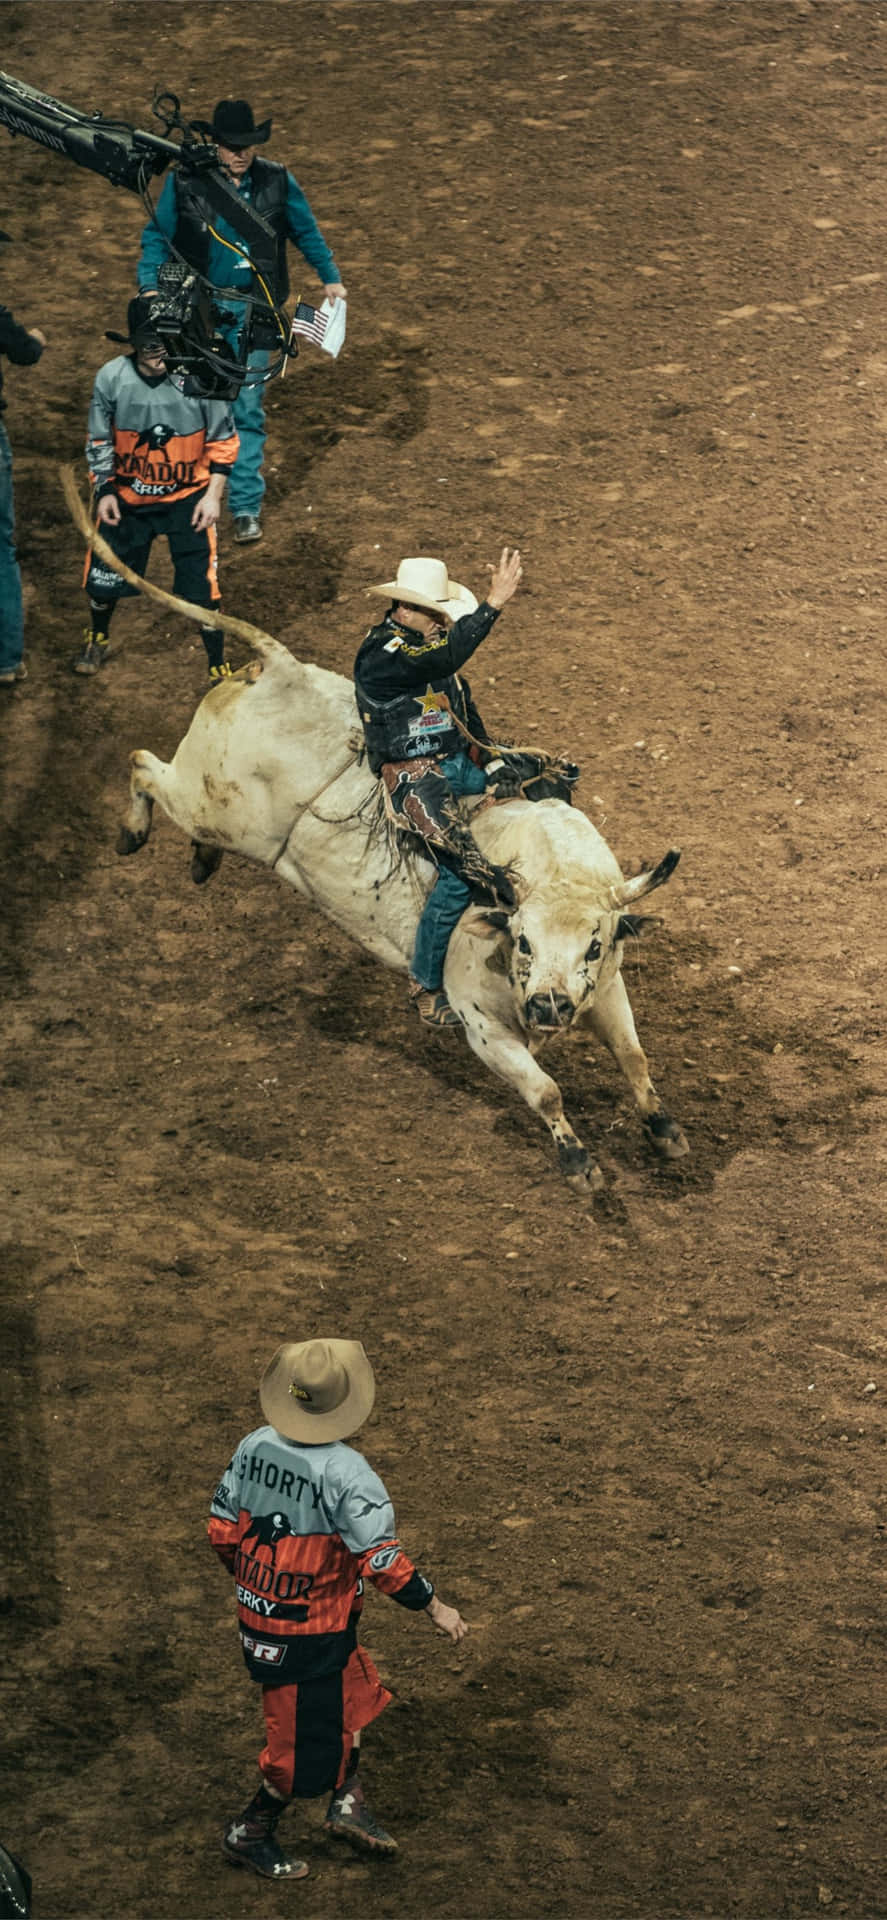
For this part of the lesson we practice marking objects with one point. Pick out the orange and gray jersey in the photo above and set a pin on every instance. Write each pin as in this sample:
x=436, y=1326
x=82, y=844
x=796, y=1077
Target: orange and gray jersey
x=152, y=443
x=300, y=1527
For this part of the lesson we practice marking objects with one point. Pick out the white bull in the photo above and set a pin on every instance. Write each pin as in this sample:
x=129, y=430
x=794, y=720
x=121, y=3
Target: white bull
x=269, y=768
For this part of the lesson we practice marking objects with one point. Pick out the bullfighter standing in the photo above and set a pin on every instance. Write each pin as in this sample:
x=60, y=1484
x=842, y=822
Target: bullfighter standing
x=159, y=460
x=301, y=1520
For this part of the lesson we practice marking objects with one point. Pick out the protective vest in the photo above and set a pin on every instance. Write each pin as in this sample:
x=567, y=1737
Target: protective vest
x=413, y=725
x=268, y=183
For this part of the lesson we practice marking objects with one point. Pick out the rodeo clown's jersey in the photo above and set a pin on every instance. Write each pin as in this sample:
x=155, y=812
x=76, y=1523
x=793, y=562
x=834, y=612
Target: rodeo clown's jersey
x=149, y=442
x=408, y=688
x=300, y=1528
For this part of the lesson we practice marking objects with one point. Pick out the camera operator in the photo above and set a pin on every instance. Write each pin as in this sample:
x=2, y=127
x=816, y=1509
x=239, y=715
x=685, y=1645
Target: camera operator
x=21, y=345
x=211, y=246
x=159, y=459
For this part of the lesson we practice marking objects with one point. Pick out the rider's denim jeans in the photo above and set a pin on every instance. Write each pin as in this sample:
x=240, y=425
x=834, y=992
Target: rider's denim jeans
x=11, y=617
x=449, y=896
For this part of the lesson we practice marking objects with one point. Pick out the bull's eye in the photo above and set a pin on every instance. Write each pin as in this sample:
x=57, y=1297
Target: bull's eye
x=523, y=944
x=593, y=950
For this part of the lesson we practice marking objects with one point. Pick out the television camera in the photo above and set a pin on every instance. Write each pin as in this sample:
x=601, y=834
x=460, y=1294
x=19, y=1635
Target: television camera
x=208, y=332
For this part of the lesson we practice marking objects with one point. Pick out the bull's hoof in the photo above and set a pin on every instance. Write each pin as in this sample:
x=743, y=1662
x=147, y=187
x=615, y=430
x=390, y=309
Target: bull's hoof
x=204, y=861
x=129, y=842
x=590, y=1180
x=665, y=1135
x=579, y=1170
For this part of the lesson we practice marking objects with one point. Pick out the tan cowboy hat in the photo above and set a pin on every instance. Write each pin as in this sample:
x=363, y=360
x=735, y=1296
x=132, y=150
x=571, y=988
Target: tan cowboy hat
x=426, y=583
x=318, y=1389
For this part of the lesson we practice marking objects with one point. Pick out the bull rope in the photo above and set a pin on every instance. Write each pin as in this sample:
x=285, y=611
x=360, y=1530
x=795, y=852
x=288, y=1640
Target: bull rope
x=262, y=643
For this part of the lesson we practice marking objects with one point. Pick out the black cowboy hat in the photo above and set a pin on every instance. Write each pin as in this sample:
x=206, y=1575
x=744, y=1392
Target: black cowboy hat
x=232, y=125
x=140, y=325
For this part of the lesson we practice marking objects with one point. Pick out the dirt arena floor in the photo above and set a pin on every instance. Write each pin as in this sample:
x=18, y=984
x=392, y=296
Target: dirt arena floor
x=616, y=278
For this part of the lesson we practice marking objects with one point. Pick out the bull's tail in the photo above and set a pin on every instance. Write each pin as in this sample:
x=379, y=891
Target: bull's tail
x=262, y=643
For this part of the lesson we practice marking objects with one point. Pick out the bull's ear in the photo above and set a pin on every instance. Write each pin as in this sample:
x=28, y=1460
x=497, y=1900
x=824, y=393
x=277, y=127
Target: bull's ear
x=633, y=926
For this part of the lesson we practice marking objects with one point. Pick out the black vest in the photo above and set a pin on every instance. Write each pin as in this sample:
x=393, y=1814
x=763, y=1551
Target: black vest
x=191, y=237
x=404, y=729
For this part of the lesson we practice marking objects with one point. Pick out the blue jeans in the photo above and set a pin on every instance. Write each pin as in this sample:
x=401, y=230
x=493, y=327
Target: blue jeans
x=450, y=895
x=246, y=486
x=12, y=624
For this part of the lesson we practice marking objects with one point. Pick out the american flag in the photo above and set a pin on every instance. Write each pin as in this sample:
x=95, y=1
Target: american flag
x=309, y=322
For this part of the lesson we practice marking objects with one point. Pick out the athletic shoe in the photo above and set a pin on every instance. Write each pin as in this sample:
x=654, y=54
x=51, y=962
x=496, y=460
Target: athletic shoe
x=9, y=678
x=348, y=1817
x=94, y=653
x=433, y=1008
x=245, y=1845
x=246, y=528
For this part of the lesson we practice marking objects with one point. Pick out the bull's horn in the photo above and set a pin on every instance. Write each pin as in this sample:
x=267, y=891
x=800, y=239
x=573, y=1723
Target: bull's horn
x=263, y=644
x=629, y=890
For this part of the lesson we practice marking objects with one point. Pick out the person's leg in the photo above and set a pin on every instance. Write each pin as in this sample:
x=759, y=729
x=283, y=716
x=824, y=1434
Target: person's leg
x=132, y=541
x=444, y=907
x=349, y=1815
x=250, y=1840
x=195, y=558
x=246, y=486
x=12, y=626
x=435, y=799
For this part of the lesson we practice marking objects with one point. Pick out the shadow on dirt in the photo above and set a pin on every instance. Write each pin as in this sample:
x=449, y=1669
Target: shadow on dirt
x=28, y=1581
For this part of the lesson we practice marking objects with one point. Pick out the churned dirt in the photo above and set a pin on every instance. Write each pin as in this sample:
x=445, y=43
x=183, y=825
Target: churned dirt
x=616, y=277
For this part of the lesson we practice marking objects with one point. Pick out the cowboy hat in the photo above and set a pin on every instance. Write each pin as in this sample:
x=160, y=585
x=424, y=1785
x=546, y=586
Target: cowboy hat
x=232, y=125
x=425, y=583
x=318, y=1389
x=140, y=326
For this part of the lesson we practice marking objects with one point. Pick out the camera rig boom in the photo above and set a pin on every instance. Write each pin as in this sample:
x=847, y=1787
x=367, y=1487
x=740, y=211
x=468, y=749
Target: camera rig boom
x=187, y=316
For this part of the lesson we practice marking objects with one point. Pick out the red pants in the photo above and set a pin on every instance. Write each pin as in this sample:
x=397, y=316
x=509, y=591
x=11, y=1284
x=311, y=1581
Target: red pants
x=310, y=1727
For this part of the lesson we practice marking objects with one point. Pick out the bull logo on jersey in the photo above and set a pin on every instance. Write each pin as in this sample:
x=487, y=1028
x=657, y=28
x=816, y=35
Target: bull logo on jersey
x=267, y=1529
x=154, y=438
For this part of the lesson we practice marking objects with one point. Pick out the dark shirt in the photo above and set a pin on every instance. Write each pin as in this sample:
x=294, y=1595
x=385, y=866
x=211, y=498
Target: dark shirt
x=398, y=672
x=19, y=346
x=395, y=660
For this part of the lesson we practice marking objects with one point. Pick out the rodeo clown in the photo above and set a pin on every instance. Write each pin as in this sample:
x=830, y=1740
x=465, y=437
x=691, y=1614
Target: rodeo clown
x=301, y=1520
x=159, y=460
x=426, y=741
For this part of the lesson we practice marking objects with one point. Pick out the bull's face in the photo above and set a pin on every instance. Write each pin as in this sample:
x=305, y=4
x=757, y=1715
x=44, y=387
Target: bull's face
x=560, y=954
x=555, y=977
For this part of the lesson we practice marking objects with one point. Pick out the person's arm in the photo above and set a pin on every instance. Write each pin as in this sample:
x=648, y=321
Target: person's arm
x=209, y=506
x=100, y=454
x=421, y=659
x=224, y=1518
x=22, y=345
x=221, y=449
x=156, y=235
x=304, y=232
x=446, y=1619
x=365, y=1520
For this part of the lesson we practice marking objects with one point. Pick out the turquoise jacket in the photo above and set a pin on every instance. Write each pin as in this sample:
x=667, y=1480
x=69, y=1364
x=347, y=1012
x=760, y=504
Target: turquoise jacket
x=225, y=269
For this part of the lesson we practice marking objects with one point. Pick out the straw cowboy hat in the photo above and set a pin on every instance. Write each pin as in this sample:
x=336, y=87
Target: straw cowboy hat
x=426, y=583
x=318, y=1389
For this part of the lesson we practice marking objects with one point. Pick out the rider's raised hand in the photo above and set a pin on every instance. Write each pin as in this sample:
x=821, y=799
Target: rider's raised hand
x=505, y=578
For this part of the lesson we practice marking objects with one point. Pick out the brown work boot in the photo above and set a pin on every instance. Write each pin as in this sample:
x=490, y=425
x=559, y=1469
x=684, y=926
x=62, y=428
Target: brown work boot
x=432, y=1006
